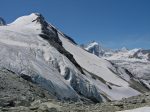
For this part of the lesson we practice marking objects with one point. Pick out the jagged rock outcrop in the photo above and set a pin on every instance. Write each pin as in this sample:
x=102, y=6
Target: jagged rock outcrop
x=2, y=22
x=15, y=91
x=50, y=33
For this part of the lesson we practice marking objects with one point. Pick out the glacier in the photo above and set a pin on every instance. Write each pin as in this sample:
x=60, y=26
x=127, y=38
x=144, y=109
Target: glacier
x=30, y=46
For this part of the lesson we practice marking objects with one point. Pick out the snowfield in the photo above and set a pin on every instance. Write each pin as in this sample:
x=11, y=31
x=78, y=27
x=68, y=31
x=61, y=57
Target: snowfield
x=142, y=109
x=139, y=67
x=25, y=52
x=100, y=68
x=136, y=61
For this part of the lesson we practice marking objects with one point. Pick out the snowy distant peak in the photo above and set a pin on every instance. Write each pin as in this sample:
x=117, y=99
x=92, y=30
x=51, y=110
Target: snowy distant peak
x=94, y=43
x=142, y=54
x=2, y=22
x=123, y=53
x=91, y=45
x=95, y=48
x=124, y=49
x=135, y=49
x=132, y=55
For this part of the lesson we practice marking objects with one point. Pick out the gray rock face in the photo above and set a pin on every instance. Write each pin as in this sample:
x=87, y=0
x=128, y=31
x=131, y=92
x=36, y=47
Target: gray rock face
x=2, y=22
x=50, y=34
x=15, y=91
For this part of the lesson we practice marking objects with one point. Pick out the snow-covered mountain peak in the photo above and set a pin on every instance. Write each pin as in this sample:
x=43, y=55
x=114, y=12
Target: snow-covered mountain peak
x=94, y=48
x=97, y=49
x=28, y=19
x=92, y=44
x=123, y=53
x=33, y=47
x=124, y=49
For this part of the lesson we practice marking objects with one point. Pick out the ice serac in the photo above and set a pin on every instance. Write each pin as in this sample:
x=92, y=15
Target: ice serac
x=31, y=48
x=24, y=52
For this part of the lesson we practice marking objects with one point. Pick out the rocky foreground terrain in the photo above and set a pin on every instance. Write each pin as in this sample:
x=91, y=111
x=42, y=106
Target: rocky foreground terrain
x=18, y=94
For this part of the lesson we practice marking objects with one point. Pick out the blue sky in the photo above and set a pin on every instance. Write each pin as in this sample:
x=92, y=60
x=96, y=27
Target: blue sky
x=114, y=23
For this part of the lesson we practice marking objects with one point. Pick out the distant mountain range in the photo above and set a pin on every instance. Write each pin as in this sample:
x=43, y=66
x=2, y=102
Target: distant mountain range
x=123, y=53
x=136, y=61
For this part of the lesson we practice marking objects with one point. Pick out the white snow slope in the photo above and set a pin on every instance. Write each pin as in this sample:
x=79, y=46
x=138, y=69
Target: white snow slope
x=24, y=52
x=142, y=109
x=101, y=68
x=139, y=67
x=136, y=61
